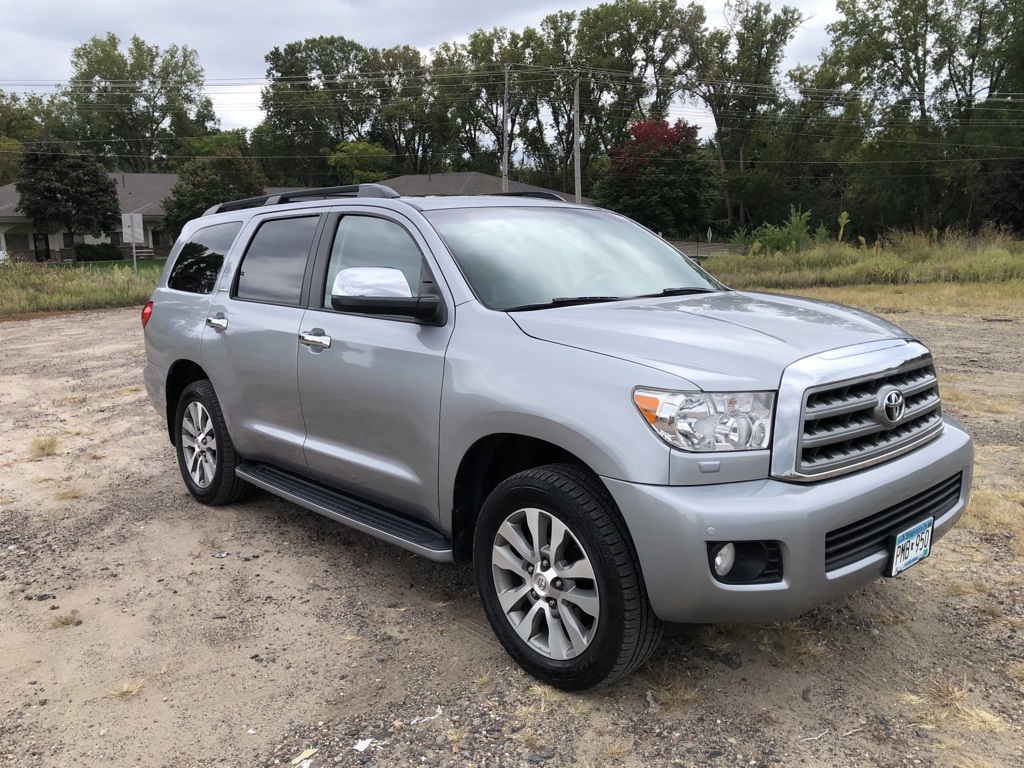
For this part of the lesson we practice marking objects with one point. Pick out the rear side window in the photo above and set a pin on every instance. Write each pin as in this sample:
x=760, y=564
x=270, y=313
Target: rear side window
x=200, y=259
x=273, y=267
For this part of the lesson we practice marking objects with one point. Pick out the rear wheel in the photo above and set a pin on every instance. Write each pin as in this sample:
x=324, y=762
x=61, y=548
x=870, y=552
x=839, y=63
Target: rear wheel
x=559, y=579
x=206, y=455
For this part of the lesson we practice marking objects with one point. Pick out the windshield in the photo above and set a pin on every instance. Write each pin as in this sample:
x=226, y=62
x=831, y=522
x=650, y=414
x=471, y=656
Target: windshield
x=539, y=256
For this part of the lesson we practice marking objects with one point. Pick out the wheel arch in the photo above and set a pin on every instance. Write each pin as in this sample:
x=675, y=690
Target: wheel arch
x=488, y=462
x=179, y=375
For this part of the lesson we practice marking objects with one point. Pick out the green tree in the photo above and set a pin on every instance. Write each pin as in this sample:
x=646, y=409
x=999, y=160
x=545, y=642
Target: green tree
x=360, y=162
x=734, y=72
x=10, y=159
x=61, y=190
x=662, y=178
x=206, y=181
x=133, y=106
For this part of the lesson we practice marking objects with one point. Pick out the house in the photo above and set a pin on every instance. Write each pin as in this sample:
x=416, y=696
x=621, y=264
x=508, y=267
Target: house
x=463, y=183
x=141, y=194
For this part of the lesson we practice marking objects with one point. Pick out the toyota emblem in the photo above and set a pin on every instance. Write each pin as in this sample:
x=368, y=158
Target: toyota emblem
x=891, y=406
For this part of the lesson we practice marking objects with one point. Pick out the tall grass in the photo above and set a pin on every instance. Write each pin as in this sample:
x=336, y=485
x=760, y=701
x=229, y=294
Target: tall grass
x=26, y=288
x=903, y=259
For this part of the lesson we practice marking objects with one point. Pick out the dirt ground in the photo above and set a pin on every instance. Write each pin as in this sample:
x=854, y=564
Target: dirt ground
x=138, y=628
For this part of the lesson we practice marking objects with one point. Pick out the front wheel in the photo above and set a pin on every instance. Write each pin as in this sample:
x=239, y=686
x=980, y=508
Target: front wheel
x=206, y=455
x=559, y=579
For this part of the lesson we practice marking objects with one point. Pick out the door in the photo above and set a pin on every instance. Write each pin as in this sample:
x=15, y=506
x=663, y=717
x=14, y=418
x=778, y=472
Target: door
x=370, y=385
x=251, y=341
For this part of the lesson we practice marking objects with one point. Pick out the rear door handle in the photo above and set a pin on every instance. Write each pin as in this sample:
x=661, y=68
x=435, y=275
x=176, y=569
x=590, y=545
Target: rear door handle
x=315, y=338
x=218, y=321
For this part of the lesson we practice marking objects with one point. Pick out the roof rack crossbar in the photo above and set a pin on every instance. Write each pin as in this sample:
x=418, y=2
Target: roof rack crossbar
x=321, y=193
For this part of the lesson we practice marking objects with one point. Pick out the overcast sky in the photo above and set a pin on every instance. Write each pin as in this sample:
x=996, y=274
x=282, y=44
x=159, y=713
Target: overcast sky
x=232, y=37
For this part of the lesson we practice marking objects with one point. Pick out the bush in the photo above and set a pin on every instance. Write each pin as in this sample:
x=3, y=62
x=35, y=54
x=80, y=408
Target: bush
x=98, y=252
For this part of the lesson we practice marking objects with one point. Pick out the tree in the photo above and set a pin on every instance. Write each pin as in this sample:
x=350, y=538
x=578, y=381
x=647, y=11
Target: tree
x=63, y=190
x=662, y=178
x=734, y=72
x=135, y=104
x=10, y=159
x=206, y=181
x=360, y=162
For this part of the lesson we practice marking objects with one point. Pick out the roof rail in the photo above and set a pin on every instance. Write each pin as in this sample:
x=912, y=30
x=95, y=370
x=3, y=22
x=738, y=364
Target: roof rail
x=320, y=193
x=531, y=193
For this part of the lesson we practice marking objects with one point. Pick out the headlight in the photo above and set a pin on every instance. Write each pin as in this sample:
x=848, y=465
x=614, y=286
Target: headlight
x=708, y=421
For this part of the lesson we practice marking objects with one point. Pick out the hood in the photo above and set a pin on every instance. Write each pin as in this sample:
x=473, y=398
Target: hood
x=731, y=340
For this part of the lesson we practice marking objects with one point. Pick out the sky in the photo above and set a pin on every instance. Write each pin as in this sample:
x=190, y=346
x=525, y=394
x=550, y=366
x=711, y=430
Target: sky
x=232, y=37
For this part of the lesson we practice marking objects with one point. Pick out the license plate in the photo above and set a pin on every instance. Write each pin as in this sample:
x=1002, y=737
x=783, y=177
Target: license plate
x=910, y=546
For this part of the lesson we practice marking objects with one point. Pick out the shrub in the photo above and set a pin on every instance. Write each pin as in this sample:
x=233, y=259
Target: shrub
x=98, y=252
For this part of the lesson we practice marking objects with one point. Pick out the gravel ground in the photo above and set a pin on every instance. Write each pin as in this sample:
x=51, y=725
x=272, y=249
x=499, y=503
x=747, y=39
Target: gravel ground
x=138, y=628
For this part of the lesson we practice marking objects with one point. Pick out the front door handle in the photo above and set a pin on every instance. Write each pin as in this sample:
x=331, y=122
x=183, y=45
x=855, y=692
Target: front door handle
x=218, y=321
x=315, y=338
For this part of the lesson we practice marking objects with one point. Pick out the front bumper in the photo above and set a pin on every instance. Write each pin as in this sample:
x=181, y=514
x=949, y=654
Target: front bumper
x=670, y=529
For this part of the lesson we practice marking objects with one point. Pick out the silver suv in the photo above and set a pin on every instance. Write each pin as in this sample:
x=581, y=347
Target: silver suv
x=613, y=438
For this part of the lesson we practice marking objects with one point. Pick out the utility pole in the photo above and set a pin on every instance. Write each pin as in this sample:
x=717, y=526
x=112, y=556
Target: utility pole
x=504, y=141
x=576, y=136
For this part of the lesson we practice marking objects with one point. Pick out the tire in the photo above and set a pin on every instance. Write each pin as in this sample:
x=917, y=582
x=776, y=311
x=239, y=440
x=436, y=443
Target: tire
x=206, y=455
x=573, y=611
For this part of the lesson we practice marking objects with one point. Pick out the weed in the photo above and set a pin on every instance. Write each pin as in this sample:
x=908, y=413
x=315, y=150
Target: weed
x=129, y=389
x=64, y=620
x=484, y=679
x=791, y=644
x=127, y=690
x=615, y=750
x=676, y=694
x=73, y=492
x=43, y=446
x=95, y=455
x=58, y=287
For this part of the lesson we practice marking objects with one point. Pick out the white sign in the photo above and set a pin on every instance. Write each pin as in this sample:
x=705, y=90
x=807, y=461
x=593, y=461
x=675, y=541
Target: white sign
x=132, y=231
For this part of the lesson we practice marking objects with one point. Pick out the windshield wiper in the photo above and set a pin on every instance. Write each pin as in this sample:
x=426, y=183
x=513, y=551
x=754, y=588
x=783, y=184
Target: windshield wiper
x=679, y=292
x=564, y=301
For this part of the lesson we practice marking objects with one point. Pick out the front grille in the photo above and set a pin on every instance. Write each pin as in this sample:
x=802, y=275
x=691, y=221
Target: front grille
x=842, y=428
x=869, y=536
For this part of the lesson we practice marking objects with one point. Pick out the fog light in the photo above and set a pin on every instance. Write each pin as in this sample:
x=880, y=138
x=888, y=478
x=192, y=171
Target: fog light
x=725, y=558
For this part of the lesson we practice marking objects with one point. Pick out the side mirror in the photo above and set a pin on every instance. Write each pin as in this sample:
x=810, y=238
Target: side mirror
x=371, y=281
x=383, y=291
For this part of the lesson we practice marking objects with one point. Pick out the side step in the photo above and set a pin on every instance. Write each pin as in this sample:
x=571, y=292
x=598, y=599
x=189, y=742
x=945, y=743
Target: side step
x=361, y=515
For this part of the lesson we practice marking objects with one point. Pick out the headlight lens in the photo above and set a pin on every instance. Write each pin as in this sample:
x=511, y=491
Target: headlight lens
x=708, y=421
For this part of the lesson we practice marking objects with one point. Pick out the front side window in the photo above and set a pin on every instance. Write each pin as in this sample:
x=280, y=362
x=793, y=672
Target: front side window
x=538, y=256
x=200, y=259
x=275, y=263
x=362, y=242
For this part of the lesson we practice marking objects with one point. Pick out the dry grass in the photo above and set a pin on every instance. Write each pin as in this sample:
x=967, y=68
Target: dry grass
x=73, y=492
x=95, y=455
x=484, y=679
x=4, y=501
x=675, y=694
x=127, y=690
x=43, y=446
x=791, y=644
x=715, y=638
x=997, y=511
x=616, y=750
x=64, y=620
x=890, y=619
x=71, y=400
x=943, y=701
x=129, y=389
x=1016, y=672
x=542, y=697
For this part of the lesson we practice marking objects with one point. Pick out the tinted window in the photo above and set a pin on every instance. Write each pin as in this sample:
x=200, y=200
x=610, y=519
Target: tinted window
x=273, y=267
x=200, y=259
x=365, y=241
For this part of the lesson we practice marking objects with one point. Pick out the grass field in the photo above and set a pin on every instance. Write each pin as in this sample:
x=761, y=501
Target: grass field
x=28, y=288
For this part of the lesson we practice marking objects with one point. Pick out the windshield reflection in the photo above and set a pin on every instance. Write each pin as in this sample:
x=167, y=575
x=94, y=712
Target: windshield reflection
x=531, y=257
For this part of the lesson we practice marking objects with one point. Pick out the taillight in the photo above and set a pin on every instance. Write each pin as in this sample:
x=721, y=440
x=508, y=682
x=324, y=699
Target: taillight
x=146, y=312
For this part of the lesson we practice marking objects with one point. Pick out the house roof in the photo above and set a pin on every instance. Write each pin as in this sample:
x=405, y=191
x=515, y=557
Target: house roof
x=135, y=191
x=462, y=183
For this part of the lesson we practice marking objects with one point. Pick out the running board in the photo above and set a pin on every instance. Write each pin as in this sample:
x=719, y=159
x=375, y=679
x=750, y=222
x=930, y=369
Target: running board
x=355, y=513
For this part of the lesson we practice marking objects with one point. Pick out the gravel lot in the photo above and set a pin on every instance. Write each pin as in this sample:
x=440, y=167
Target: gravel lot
x=138, y=628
